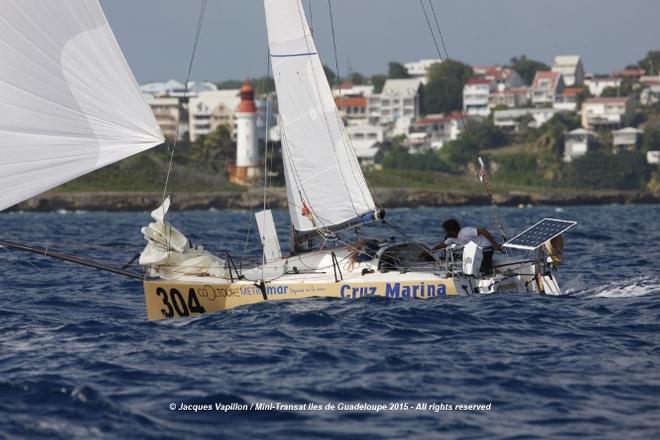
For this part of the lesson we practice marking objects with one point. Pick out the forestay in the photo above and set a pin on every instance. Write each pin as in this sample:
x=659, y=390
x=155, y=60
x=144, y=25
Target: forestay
x=69, y=103
x=325, y=184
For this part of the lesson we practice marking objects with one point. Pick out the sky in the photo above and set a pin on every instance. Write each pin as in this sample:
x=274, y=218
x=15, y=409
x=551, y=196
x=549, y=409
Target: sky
x=157, y=35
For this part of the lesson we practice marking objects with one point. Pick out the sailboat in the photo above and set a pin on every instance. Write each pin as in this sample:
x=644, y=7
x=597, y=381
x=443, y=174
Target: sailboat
x=327, y=194
x=71, y=105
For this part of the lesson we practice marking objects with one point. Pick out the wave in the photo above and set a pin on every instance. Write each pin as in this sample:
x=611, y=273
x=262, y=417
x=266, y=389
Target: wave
x=631, y=288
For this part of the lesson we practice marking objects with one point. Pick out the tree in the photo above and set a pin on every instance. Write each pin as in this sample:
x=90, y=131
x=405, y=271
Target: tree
x=604, y=170
x=397, y=71
x=357, y=79
x=444, y=90
x=330, y=75
x=378, y=81
x=651, y=62
x=625, y=89
x=486, y=135
x=549, y=146
x=527, y=68
x=461, y=151
x=398, y=157
x=652, y=137
x=213, y=149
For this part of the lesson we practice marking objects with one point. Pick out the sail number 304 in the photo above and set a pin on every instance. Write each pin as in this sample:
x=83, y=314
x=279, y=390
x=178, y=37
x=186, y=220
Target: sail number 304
x=174, y=302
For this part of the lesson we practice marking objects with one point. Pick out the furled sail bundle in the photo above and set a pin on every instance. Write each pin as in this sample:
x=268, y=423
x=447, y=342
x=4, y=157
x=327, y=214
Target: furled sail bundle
x=69, y=103
x=325, y=184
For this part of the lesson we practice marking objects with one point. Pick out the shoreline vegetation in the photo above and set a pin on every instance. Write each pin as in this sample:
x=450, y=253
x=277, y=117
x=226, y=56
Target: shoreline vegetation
x=253, y=199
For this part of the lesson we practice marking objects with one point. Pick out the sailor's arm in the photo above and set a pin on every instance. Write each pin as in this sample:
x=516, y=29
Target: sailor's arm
x=439, y=246
x=487, y=234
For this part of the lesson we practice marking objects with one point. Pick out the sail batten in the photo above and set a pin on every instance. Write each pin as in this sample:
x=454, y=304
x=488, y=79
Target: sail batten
x=325, y=184
x=69, y=103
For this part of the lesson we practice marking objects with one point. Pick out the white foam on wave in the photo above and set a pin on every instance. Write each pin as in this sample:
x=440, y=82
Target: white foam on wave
x=628, y=289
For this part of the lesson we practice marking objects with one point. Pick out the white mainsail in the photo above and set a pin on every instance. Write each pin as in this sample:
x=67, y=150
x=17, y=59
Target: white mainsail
x=325, y=184
x=69, y=103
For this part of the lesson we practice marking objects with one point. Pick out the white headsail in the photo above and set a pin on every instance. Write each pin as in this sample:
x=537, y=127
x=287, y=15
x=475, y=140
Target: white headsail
x=325, y=184
x=69, y=103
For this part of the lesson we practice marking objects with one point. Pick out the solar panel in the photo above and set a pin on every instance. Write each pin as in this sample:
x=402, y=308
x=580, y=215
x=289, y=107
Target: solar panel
x=534, y=236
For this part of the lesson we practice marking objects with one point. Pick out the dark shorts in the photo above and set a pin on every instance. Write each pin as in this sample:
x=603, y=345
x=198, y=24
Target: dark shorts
x=487, y=262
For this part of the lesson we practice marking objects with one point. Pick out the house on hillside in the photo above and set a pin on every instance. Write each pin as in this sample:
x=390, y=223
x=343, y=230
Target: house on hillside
x=607, y=113
x=434, y=131
x=571, y=69
x=626, y=139
x=650, y=95
x=208, y=110
x=546, y=87
x=353, y=109
x=510, y=120
x=399, y=99
x=577, y=143
x=504, y=77
x=568, y=99
x=476, y=94
x=419, y=69
x=597, y=84
x=166, y=112
x=367, y=141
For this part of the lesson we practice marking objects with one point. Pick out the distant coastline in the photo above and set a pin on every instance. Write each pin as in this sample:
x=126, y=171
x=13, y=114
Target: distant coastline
x=388, y=197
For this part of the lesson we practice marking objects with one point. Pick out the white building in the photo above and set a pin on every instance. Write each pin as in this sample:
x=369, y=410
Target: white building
x=504, y=77
x=399, y=99
x=546, y=87
x=567, y=100
x=208, y=110
x=653, y=157
x=434, y=131
x=511, y=119
x=606, y=112
x=626, y=139
x=577, y=143
x=366, y=140
x=166, y=112
x=420, y=68
x=175, y=89
x=597, y=84
x=650, y=95
x=476, y=94
x=571, y=69
x=512, y=97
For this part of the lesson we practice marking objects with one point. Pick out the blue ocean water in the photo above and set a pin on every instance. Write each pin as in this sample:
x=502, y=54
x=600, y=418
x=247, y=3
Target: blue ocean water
x=79, y=360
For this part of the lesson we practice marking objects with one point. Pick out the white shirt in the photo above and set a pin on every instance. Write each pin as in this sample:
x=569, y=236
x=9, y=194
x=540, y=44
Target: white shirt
x=466, y=235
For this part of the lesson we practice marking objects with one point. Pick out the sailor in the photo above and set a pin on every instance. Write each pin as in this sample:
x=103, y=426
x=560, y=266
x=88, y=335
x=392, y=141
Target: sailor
x=460, y=236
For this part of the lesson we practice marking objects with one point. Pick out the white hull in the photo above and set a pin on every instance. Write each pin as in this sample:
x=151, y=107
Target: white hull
x=315, y=275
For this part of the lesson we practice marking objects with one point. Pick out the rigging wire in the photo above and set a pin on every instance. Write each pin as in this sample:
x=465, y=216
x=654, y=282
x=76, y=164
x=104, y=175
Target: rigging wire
x=428, y=22
x=198, y=32
x=263, y=90
x=464, y=119
x=348, y=145
x=437, y=25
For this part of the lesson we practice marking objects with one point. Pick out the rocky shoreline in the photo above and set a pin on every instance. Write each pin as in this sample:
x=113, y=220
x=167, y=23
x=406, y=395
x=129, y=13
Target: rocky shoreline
x=388, y=197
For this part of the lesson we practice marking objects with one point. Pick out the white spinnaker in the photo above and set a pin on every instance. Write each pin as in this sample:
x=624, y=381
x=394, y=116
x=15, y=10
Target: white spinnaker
x=69, y=103
x=321, y=169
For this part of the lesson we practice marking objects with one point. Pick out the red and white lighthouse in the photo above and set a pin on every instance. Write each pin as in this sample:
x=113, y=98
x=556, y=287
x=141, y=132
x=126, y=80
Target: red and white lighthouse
x=247, y=168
